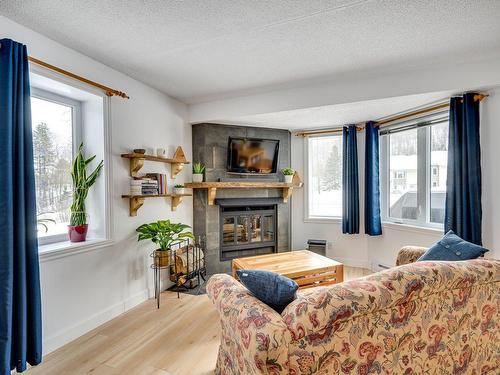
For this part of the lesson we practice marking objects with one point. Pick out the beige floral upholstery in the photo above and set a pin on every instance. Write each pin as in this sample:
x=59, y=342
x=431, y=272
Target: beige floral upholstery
x=409, y=254
x=420, y=318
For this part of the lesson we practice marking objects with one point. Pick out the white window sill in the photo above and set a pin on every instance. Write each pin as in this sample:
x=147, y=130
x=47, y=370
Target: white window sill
x=412, y=228
x=65, y=248
x=323, y=220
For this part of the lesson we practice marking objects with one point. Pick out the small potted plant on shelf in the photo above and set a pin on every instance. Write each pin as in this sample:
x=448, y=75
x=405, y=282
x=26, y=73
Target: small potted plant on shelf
x=179, y=189
x=288, y=173
x=78, y=223
x=198, y=170
x=164, y=234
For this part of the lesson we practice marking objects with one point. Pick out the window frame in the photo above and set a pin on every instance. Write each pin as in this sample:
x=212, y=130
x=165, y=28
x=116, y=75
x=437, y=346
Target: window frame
x=76, y=131
x=423, y=179
x=307, y=216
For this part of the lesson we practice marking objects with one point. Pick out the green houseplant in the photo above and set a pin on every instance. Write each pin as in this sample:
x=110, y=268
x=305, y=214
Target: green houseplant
x=164, y=234
x=179, y=189
x=198, y=170
x=288, y=173
x=78, y=226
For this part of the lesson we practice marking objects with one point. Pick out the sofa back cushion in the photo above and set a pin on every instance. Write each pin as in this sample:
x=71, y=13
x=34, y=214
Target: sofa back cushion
x=453, y=248
x=274, y=290
x=413, y=319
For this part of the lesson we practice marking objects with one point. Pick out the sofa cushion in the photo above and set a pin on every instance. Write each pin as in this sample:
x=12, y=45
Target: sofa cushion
x=453, y=248
x=274, y=290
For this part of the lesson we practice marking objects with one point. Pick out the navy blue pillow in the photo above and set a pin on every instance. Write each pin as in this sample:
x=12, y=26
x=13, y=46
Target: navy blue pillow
x=453, y=248
x=274, y=290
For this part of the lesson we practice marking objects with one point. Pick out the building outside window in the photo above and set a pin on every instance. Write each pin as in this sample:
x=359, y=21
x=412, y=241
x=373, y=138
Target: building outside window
x=413, y=173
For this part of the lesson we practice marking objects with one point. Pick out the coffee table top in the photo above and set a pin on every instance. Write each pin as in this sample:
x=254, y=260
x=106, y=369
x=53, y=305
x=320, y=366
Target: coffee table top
x=291, y=263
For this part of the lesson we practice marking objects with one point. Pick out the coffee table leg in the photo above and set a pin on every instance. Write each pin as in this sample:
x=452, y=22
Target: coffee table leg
x=233, y=270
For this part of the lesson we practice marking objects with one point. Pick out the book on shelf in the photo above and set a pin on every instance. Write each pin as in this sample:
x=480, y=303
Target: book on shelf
x=150, y=184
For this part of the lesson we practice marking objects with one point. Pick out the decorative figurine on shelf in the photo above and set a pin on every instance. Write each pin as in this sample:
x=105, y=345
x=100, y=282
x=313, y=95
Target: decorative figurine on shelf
x=78, y=224
x=198, y=170
x=288, y=173
x=164, y=234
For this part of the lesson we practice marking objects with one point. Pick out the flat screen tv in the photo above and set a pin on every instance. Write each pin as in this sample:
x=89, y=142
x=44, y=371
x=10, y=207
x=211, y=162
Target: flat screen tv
x=252, y=155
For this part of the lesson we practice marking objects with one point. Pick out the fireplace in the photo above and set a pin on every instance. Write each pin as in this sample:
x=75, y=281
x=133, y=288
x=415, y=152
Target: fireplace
x=247, y=227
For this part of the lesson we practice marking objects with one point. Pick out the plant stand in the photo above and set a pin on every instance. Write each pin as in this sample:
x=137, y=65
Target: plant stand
x=157, y=267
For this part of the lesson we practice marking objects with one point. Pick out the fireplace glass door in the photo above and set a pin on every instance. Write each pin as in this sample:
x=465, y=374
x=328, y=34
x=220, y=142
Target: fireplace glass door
x=249, y=232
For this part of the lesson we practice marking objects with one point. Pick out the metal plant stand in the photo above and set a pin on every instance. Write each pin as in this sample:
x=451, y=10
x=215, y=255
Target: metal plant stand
x=185, y=261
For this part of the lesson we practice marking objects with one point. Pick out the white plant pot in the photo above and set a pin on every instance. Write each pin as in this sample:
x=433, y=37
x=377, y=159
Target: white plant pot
x=288, y=179
x=197, y=177
x=179, y=191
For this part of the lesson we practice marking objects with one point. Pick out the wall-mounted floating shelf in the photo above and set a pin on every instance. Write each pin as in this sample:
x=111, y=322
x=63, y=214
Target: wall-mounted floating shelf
x=136, y=201
x=212, y=187
x=137, y=162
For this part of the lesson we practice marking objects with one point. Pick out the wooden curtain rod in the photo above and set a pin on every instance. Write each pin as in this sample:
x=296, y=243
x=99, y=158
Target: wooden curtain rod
x=382, y=123
x=108, y=90
x=433, y=108
x=359, y=128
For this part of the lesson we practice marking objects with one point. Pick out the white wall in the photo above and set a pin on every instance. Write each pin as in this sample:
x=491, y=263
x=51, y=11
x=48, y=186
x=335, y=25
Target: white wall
x=83, y=290
x=363, y=250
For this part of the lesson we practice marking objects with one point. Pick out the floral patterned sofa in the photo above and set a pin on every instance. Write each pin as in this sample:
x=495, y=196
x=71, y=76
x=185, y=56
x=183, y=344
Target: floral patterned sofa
x=418, y=318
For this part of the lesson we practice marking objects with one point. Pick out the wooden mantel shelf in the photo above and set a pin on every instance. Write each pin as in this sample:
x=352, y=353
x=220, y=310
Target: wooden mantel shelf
x=137, y=162
x=212, y=187
x=136, y=201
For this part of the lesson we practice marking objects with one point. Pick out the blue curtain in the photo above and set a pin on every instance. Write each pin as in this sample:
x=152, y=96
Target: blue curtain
x=373, y=225
x=463, y=186
x=20, y=307
x=350, y=188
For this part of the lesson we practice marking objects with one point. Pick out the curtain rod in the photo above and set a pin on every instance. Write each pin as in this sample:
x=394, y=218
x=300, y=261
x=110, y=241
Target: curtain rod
x=108, y=90
x=384, y=122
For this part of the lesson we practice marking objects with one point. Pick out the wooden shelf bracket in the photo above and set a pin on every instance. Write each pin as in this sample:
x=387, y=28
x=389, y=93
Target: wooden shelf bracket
x=212, y=192
x=135, y=204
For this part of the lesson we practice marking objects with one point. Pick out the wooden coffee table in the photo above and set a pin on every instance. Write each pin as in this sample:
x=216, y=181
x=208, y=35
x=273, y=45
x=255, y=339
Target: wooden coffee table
x=308, y=269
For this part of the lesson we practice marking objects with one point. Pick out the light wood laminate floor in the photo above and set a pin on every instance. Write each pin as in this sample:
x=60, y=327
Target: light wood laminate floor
x=182, y=337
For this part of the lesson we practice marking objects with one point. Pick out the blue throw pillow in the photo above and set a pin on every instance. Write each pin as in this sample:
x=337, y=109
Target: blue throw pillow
x=453, y=248
x=274, y=290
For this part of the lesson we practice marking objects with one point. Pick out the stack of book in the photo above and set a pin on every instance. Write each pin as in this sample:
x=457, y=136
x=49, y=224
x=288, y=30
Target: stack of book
x=161, y=179
x=144, y=186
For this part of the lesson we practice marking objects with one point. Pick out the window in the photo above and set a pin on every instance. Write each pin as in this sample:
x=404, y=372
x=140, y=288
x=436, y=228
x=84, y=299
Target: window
x=413, y=173
x=56, y=123
x=324, y=176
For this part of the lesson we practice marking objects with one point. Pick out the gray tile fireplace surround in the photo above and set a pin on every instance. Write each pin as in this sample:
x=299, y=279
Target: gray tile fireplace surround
x=210, y=142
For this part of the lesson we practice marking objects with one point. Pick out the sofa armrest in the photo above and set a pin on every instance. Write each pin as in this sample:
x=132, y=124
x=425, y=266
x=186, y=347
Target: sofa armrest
x=409, y=254
x=254, y=336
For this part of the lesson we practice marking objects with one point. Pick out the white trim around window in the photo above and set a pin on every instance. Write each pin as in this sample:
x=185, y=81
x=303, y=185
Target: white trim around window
x=50, y=86
x=424, y=180
x=308, y=218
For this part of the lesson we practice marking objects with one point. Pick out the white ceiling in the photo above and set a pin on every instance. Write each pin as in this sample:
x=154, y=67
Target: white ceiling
x=206, y=49
x=339, y=114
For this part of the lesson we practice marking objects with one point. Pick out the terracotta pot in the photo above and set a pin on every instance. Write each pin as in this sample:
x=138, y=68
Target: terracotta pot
x=77, y=233
x=162, y=258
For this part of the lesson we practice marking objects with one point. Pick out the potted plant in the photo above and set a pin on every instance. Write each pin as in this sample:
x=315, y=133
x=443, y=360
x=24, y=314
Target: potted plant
x=78, y=226
x=288, y=173
x=198, y=170
x=179, y=189
x=164, y=234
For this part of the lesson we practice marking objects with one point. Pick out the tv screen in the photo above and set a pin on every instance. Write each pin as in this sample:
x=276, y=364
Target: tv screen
x=251, y=155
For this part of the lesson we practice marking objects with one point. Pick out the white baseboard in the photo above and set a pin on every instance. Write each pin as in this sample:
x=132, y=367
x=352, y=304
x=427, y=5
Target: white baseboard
x=353, y=262
x=69, y=334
